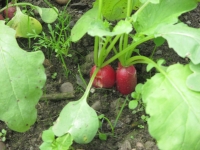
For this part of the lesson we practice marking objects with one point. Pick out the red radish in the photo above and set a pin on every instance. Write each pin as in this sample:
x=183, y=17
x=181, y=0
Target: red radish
x=1, y=17
x=10, y=12
x=105, y=77
x=126, y=79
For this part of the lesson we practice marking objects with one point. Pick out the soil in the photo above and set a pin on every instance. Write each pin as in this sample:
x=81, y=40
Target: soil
x=131, y=132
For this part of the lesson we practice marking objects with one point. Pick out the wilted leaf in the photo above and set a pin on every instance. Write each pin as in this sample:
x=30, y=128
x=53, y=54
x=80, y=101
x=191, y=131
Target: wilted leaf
x=174, y=109
x=24, y=24
x=22, y=79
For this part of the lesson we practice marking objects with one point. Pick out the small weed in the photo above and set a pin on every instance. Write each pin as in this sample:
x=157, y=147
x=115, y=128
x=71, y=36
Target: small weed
x=54, y=75
x=3, y=135
x=57, y=40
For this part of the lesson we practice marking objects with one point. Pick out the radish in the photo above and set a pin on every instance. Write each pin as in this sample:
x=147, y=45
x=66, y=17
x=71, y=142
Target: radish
x=9, y=12
x=126, y=79
x=105, y=77
x=1, y=17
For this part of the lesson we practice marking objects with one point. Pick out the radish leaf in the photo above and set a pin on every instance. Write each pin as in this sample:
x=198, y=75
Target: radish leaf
x=83, y=24
x=173, y=109
x=114, y=9
x=183, y=39
x=100, y=28
x=22, y=78
x=193, y=81
x=150, y=15
x=78, y=119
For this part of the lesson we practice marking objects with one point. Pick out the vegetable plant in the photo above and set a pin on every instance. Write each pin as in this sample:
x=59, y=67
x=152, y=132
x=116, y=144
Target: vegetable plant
x=24, y=24
x=171, y=95
x=22, y=73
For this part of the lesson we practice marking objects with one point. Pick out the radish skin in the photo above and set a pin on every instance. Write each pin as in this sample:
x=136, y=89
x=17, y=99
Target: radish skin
x=105, y=77
x=126, y=79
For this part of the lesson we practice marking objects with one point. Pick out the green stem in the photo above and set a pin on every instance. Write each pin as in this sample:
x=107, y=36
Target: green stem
x=110, y=124
x=96, y=39
x=145, y=60
x=64, y=65
x=96, y=48
x=102, y=52
x=87, y=91
x=127, y=49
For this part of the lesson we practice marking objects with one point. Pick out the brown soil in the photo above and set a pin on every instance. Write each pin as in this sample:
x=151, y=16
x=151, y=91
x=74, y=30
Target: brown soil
x=128, y=136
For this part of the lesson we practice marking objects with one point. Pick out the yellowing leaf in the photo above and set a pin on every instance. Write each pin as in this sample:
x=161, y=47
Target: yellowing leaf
x=24, y=24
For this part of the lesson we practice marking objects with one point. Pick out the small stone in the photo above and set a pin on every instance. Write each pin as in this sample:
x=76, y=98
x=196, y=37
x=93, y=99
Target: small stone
x=139, y=145
x=188, y=22
x=149, y=144
x=66, y=87
x=126, y=145
x=158, y=52
x=97, y=105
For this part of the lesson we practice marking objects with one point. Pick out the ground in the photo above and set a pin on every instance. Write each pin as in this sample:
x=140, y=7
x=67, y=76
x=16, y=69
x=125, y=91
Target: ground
x=128, y=136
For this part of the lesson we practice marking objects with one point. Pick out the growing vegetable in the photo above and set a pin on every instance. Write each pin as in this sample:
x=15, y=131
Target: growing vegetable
x=105, y=77
x=1, y=17
x=9, y=12
x=126, y=79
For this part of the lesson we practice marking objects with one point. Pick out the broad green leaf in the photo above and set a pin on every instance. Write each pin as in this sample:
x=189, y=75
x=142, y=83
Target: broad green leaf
x=78, y=119
x=24, y=24
x=46, y=146
x=83, y=24
x=98, y=28
x=132, y=104
x=64, y=142
x=48, y=15
x=193, y=80
x=114, y=9
x=174, y=109
x=48, y=135
x=22, y=79
x=159, y=41
x=150, y=15
x=150, y=1
x=183, y=39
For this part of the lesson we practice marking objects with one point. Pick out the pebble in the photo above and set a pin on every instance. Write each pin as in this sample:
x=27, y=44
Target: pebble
x=66, y=87
x=158, y=52
x=139, y=145
x=126, y=145
x=97, y=105
x=149, y=144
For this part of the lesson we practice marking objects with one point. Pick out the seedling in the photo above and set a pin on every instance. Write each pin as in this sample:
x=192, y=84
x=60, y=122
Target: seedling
x=54, y=75
x=3, y=135
x=57, y=40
